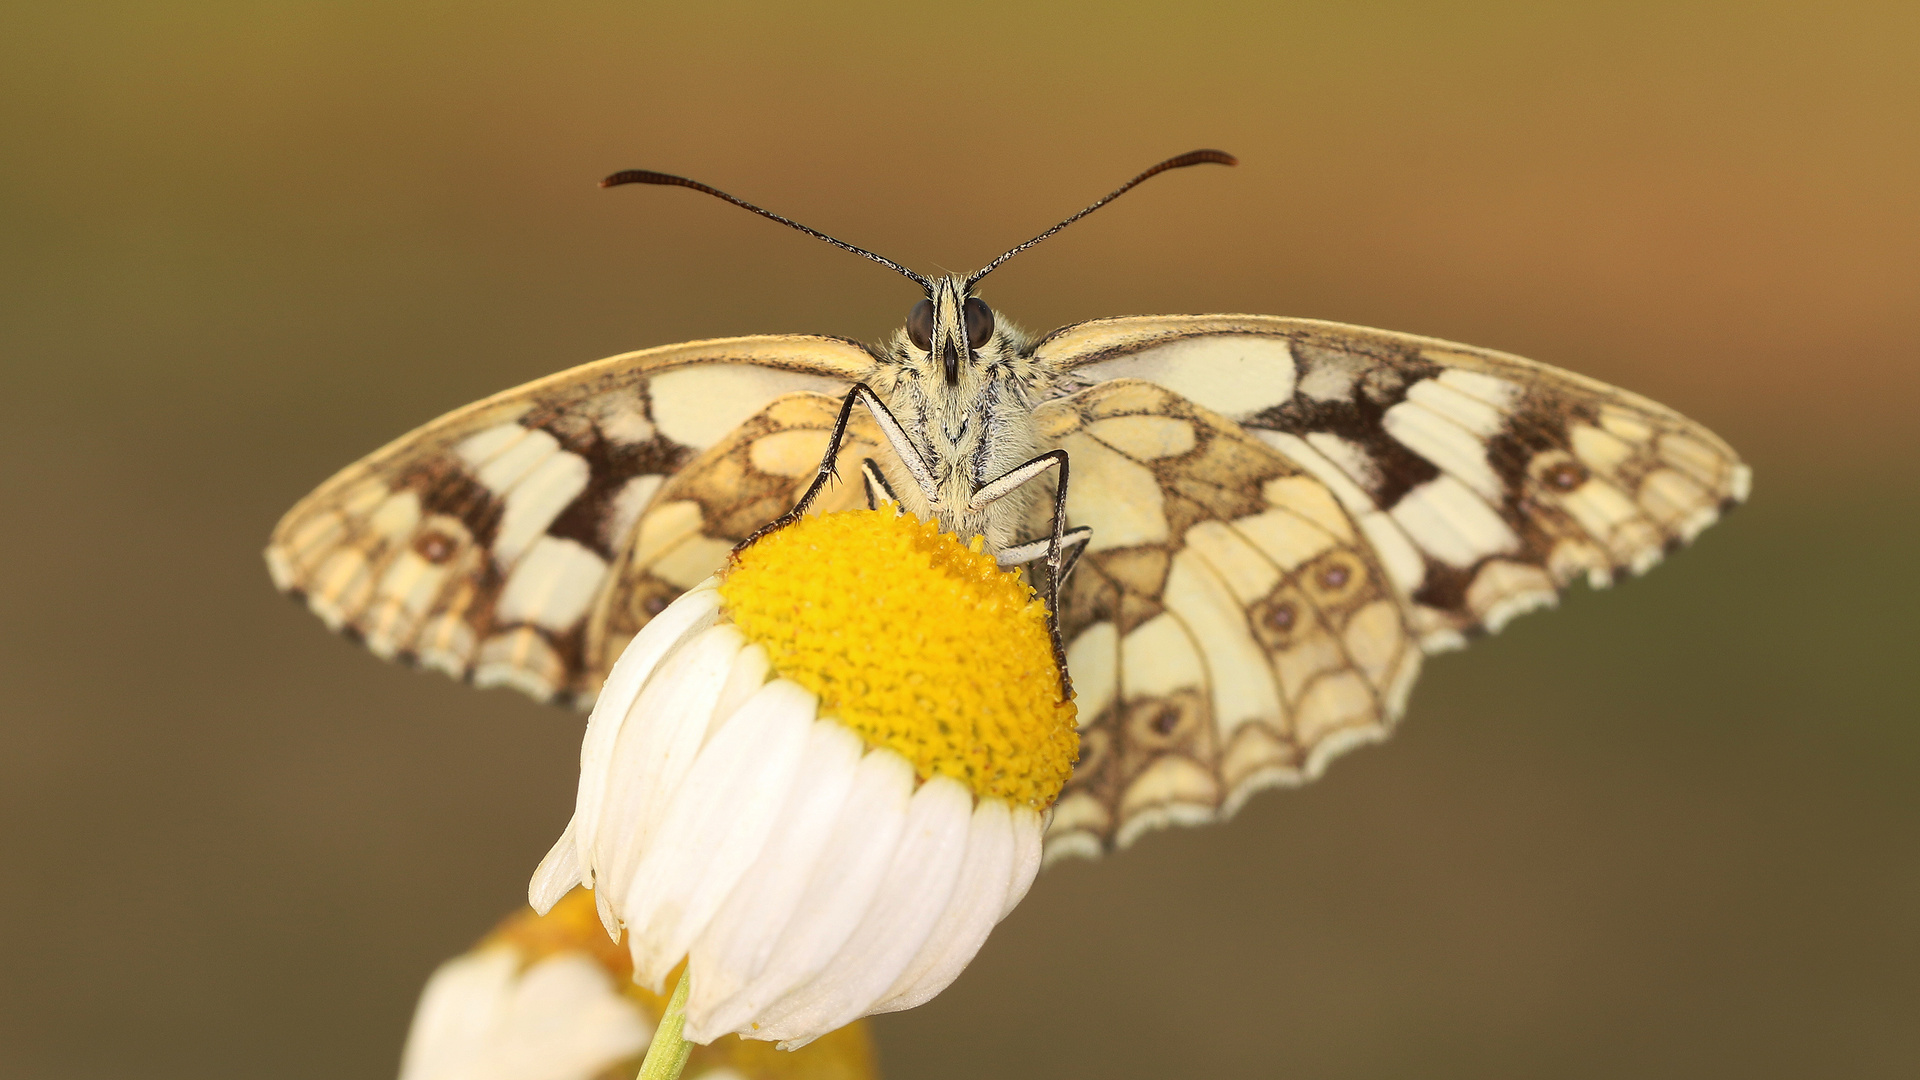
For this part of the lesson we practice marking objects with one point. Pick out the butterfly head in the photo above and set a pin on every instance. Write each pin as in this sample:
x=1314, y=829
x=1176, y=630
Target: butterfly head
x=951, y=330
x=956, y=357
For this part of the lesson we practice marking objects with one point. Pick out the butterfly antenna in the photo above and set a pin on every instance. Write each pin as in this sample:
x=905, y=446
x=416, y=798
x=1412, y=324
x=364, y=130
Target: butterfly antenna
x=1191, y=157
x=647, y=176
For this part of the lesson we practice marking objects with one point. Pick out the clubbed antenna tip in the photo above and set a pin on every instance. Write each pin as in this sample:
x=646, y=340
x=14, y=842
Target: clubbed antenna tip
x=1191, y=157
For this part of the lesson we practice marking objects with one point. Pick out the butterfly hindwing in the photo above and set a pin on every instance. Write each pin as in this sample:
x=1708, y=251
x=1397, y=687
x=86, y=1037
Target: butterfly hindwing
x=1229, y=627
x=481, y=543
x=748, y=478
x=1476, y=485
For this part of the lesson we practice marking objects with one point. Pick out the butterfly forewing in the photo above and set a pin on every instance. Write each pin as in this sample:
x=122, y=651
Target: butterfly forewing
x=1335, y=496
x=482, y=543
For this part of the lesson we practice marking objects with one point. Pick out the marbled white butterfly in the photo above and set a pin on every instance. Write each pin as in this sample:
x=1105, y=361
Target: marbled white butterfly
x=1273, y=519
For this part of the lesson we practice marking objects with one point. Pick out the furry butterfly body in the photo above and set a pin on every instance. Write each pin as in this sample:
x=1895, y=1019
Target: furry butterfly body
x=1275, y=519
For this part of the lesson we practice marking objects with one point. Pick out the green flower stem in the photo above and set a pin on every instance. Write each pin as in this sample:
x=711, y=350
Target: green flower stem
x=667, y=1055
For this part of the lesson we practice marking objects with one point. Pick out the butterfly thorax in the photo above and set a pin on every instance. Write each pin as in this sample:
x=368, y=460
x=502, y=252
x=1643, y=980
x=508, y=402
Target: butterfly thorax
x=963, y=385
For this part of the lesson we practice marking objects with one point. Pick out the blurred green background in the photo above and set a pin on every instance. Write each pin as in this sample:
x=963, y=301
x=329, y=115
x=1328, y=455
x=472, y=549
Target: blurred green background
x=1669, y=830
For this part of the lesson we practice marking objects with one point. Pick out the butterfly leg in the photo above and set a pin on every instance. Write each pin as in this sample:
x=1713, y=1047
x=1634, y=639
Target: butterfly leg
x=1005, y=484
x=858, y=394
x=1073, y=543
x=878, y=490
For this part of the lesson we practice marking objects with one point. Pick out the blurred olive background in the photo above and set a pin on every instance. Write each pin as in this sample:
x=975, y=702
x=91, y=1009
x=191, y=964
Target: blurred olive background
x=1670, y=830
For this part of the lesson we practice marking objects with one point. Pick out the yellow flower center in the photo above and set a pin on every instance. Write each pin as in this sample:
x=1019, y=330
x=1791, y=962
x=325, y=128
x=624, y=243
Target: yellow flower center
x=916, y=642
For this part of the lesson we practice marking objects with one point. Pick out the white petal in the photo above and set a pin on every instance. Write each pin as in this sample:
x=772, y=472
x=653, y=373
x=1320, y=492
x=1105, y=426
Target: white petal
x=557, y=874
x=742, y=934
x=838, y=892
x=683, y=618
x=918, y=884
x=716, y=827
x=1029, y=836
x=566, y=1019
x=482, y=1018
x=465, y=999
x=604, y=908
x=978, y=899
x=750, y=671
x=656, y=748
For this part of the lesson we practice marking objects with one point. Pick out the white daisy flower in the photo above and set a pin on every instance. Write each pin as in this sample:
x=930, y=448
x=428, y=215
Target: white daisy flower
x=550, y=998
x=821, y=777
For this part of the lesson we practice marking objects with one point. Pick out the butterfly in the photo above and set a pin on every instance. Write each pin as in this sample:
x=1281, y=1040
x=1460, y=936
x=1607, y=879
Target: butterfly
x=1253, y=529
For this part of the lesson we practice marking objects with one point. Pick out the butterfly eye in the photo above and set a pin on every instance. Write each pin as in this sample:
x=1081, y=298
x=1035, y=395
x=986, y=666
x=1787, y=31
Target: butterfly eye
x=979, y=322
x=920, y=325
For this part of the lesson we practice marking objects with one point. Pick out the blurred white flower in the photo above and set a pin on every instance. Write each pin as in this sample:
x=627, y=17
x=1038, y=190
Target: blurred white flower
x=485, y=1016
x=550, y=998
x=822, y=778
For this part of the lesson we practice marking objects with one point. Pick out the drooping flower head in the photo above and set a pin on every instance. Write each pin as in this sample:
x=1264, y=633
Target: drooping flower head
x=821, y=777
